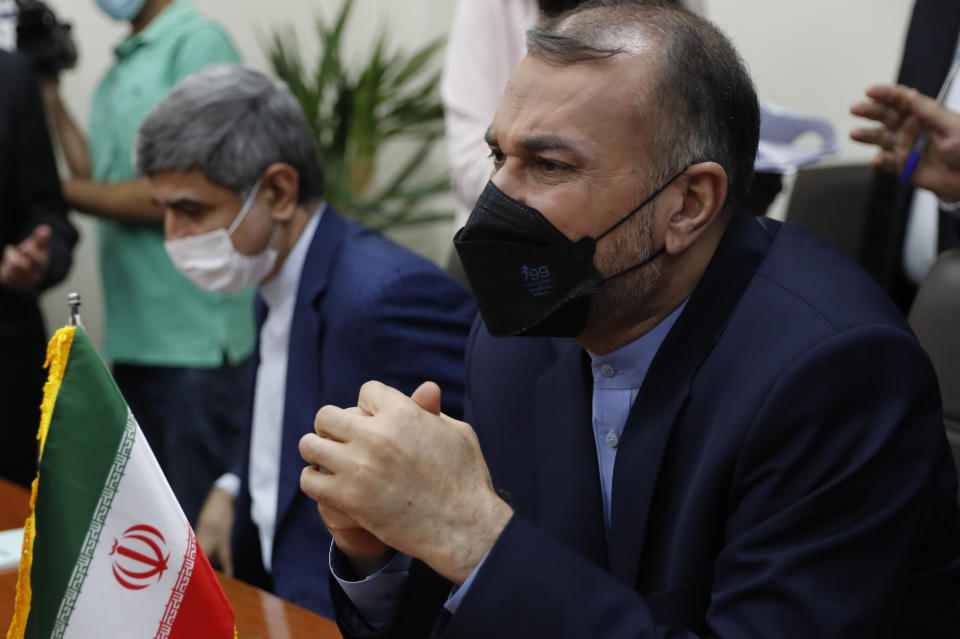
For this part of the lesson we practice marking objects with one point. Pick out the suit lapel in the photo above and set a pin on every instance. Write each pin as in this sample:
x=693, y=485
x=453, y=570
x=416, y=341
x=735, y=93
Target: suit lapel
x=930, y=44
x=568, y=480
x=667, y=386
x=304, y=384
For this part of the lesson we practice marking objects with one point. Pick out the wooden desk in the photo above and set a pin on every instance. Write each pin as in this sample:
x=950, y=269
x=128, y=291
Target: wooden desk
x=259, y=614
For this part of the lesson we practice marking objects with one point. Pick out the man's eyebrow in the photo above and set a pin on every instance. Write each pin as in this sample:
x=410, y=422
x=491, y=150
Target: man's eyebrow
x=545, y=142
x=181, y=203
x=548, y=142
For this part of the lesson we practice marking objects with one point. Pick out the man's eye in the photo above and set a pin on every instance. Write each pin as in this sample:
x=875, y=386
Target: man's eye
x=497, y=156
x=549, y=166
x=186, y=210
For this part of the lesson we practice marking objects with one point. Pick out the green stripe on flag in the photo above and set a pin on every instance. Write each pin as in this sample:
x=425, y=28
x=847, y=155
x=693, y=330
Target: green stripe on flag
x=92, y=538
x=87, y=429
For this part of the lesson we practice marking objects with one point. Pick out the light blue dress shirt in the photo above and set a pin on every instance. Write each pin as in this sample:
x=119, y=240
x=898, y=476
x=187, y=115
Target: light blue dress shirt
x=617, y=378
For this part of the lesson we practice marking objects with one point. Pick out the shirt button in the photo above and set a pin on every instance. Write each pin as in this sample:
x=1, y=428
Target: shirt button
x=607, y=370
x=611, y=439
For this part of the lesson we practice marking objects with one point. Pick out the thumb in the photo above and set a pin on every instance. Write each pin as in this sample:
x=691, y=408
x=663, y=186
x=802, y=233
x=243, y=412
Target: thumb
x=40, y=237
x=930, y=114
x=427, y=396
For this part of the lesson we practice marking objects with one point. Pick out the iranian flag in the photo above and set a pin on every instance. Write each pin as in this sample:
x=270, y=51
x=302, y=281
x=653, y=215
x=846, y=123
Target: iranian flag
x=107, y=551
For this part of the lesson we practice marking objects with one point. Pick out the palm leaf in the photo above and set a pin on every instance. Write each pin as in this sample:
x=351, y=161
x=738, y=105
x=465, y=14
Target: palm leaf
x=354, y=111
x=417, y=62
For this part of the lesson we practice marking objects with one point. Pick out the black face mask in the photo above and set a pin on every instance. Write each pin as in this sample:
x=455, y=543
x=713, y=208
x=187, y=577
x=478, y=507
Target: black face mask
x=527, y=276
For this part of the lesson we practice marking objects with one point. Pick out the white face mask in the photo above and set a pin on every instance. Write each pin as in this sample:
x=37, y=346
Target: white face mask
x=212, y=262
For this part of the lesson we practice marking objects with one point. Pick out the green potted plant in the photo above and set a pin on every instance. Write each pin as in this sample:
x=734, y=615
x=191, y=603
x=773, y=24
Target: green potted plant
x=356, y=112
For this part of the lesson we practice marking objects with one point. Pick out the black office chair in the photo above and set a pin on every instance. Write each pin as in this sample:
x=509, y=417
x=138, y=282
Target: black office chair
x=935, y=318
x=832, y=201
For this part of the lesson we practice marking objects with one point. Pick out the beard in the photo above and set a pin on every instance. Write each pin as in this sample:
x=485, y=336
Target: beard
x=624, y=294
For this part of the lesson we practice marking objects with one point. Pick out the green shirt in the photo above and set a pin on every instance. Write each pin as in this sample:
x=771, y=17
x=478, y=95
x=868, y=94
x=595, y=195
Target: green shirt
x=154, y=315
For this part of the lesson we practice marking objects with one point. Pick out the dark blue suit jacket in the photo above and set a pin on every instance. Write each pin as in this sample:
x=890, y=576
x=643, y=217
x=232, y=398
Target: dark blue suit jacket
x=784, y=471
x=366, y=309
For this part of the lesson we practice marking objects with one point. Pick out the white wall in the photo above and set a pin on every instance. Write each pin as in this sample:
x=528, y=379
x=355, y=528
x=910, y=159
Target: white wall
x=814, y=56
x=817, y=57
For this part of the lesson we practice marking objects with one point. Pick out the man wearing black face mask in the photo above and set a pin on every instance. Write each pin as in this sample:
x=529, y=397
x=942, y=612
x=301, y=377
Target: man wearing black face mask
x=743, y=439
x=487, y=41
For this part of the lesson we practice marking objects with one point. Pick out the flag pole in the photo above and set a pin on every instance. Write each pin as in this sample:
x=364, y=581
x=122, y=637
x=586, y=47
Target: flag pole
x=73, y=302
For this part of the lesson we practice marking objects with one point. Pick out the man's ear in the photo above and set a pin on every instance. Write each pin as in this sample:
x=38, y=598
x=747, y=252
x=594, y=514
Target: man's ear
x=703, y=191
x=281, y=188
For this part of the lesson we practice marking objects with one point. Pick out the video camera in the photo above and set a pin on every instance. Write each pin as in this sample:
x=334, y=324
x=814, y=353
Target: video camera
x=47, y=41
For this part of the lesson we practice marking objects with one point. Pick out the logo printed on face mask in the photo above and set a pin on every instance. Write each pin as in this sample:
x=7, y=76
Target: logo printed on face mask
x=537, y=279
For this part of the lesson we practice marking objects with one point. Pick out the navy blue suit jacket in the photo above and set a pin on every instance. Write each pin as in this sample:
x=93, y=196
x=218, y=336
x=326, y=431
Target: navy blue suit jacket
x=784, y=471
x=366, y=309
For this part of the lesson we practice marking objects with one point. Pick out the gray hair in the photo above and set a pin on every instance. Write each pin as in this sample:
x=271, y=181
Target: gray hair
x=553, y=8
x=230, y=123
x=706, y=100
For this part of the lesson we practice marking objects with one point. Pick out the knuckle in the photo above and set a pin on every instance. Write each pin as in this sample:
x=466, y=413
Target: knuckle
x=350, y=495
x=370, y=386
x=386, y=444
x=406, y=412
x=307, y=446
x=324, y=415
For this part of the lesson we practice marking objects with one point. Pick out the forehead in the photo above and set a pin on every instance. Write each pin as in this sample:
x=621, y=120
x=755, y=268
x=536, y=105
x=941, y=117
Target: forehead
x=169, y=186
x=600, y=106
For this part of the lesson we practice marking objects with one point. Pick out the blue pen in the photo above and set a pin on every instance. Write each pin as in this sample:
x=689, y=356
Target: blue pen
x=921, y=142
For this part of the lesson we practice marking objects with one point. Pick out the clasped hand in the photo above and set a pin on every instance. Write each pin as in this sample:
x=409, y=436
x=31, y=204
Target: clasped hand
x=395, y=473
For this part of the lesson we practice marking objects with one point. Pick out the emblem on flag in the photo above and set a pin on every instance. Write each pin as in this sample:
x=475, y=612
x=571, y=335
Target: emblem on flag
x=138, y=557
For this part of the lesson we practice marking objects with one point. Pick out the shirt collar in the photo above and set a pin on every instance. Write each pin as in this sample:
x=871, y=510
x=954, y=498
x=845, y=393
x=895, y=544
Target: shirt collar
x=284, y=285
x=630, y=362
x=169, y=20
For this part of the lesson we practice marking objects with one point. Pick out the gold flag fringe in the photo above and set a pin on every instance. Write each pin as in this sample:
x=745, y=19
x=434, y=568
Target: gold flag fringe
x=58, y=351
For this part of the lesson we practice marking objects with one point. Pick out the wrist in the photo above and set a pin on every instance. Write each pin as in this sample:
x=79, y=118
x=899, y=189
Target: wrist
x=362, y=565
x=476, y=541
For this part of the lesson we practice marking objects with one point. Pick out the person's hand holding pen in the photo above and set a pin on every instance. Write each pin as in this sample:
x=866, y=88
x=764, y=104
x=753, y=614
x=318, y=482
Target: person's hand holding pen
x=913, y=123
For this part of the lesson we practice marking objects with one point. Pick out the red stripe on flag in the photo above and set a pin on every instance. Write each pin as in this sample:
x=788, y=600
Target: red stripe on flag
x=203, y=608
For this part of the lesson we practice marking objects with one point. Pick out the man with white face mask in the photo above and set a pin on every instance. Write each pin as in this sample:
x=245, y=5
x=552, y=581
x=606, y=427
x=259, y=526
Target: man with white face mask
x=233, y=164
x=212, y=262
x=178, y=351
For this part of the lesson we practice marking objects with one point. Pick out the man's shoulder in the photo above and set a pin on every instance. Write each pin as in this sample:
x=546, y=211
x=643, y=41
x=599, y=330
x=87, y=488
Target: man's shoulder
x=362, y=270
x=209, y=37
x=808, y=313
x=368, y=254
x=805, y=282
x=197, y=41
x=200, y=26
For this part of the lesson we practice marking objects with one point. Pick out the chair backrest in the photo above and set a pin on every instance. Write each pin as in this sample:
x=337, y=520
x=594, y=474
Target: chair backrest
x=832, y=202
x=935, y=318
